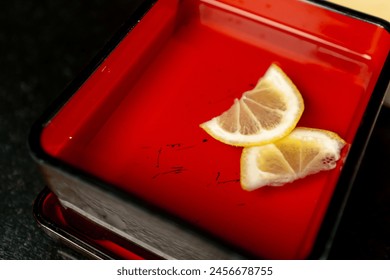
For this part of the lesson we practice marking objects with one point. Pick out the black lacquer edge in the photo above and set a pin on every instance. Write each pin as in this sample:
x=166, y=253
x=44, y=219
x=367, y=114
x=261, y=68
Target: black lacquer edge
x=345, y=183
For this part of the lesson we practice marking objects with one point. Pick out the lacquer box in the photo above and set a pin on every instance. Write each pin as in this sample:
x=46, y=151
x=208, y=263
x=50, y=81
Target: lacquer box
x=130, y=174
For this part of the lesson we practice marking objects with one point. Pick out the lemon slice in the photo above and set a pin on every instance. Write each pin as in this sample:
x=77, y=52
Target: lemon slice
x=262, y=115
x=303, y=152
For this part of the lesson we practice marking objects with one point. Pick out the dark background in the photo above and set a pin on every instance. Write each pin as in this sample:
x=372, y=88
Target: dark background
x=43, y=46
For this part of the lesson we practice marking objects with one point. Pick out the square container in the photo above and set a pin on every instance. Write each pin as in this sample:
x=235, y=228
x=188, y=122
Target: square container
x=122, y=149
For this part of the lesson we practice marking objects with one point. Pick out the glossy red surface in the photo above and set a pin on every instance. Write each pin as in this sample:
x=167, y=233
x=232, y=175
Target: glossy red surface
x=135, y=122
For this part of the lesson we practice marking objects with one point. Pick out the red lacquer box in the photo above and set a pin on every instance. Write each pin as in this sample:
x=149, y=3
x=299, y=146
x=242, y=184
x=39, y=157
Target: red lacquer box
x=132, y=175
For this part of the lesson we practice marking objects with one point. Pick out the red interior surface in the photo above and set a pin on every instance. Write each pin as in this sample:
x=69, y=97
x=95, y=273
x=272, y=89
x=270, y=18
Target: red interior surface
x=135, y=121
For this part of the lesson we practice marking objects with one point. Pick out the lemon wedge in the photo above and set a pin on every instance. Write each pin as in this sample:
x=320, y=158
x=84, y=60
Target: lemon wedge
x=303, y=152
x=268, y=112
